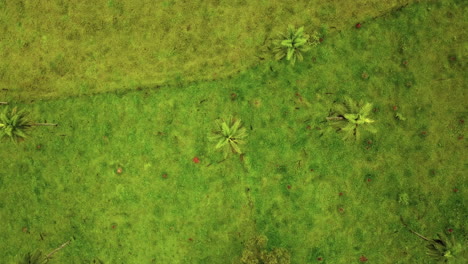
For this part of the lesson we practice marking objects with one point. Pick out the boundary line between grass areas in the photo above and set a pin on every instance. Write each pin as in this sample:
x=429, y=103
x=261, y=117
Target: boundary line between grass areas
x=384, y=13
x=173, y=82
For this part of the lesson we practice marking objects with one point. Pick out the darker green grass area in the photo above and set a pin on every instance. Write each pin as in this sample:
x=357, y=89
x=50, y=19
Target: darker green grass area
x=117, y=176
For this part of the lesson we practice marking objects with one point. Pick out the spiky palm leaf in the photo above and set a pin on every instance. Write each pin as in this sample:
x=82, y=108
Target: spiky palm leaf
x=13, y=124
x=229, y=135
x=292, y=44
x=351, y=117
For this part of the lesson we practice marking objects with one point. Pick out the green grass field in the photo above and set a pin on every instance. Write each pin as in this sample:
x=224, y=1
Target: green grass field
x=135, y=100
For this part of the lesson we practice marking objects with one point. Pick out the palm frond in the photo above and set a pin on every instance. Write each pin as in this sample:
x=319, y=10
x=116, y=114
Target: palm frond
x=366, y=109
x=287, y=43
x=290, y=54
x=299, y=55
x=235, y=147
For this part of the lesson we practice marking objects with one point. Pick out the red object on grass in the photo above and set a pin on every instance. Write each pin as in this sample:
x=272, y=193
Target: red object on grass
x=423, y=133
x=319, y=259
x=340, y=194
x=289, y=186
x=363, y=259
x=395, y=108
x=455, y=190
x=119, y=170
x=358, y=25
x=38, y=146
x=368, y=180
x=190, y=239
x=114, y=226
x=164, y=176
x=450, y=230
x=196, y=160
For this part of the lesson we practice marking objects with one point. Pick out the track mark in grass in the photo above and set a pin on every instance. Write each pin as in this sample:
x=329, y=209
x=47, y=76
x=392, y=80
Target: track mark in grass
x=462, y=121
x=405, y=63
x=25, y=230
x=196, y=160
x=375, y=110
x=119, y=170
x=308, y=127
x=423, y=133
x=363, y=259
x=321, y=40
x=358, y=25
x=453, y=58
x=460, y=137
x=341, y=210
x=233, y=96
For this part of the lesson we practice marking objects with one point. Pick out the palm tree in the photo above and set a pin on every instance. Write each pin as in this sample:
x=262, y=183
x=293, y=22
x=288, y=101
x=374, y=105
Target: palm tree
x=14, y=123
x=441, y=249
x=350, y=117
x=229, y=135
x=292, y=44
